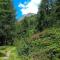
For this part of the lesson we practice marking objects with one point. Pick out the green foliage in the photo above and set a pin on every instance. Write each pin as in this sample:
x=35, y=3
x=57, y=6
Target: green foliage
x=39, y=35
x=27, y=27
x=48, y=14
x=45, y=47
x=7, y=23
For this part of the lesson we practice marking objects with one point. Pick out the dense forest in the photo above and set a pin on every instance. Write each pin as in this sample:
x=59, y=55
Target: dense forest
x=7, y=23
x=35, y=37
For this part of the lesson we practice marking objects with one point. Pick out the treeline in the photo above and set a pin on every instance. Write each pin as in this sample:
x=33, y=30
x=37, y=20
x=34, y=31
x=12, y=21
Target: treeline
x=27, y=26
x=47, y=16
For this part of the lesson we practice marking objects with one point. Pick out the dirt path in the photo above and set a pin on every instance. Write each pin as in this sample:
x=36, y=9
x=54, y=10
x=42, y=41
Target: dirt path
x=8, y=54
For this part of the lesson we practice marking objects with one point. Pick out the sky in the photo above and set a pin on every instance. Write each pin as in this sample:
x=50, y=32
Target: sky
x=23, y=7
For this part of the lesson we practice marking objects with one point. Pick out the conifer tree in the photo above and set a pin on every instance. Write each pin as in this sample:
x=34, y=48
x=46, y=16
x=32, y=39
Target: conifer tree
x=7, y=22
x=48, y=14
x=43, y=11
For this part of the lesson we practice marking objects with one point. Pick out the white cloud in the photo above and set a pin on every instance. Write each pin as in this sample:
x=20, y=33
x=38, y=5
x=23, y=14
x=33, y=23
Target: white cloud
x=21, y=5
x=31, y=7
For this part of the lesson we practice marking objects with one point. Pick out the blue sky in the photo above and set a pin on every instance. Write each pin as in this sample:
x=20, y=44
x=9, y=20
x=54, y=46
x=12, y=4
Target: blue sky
x=23, y=7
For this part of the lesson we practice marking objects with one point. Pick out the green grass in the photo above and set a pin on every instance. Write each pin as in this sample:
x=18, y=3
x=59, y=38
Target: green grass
x=44, y=47
x=47, y=46
x=11, y=50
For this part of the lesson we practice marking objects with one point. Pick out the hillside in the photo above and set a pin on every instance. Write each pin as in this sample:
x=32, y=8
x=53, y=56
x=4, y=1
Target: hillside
x=42, y=46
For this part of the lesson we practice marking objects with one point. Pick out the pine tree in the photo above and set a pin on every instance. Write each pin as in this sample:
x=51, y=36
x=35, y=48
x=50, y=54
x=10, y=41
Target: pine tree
x=48, y=14
x=55, y=13
x=58, y=9
x=7, y=22
x=43, y=11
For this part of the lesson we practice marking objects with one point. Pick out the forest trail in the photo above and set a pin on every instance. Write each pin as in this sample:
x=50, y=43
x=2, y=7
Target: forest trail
x=8, y=54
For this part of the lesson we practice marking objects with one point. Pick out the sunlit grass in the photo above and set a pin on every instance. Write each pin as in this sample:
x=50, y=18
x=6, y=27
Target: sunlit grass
x=13, y=55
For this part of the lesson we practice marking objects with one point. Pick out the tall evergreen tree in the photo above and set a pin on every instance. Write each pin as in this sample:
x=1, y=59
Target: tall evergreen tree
x=58, y=9
x=48, y=14
x=7, y=22
x=55, y=13
x=43, y=11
